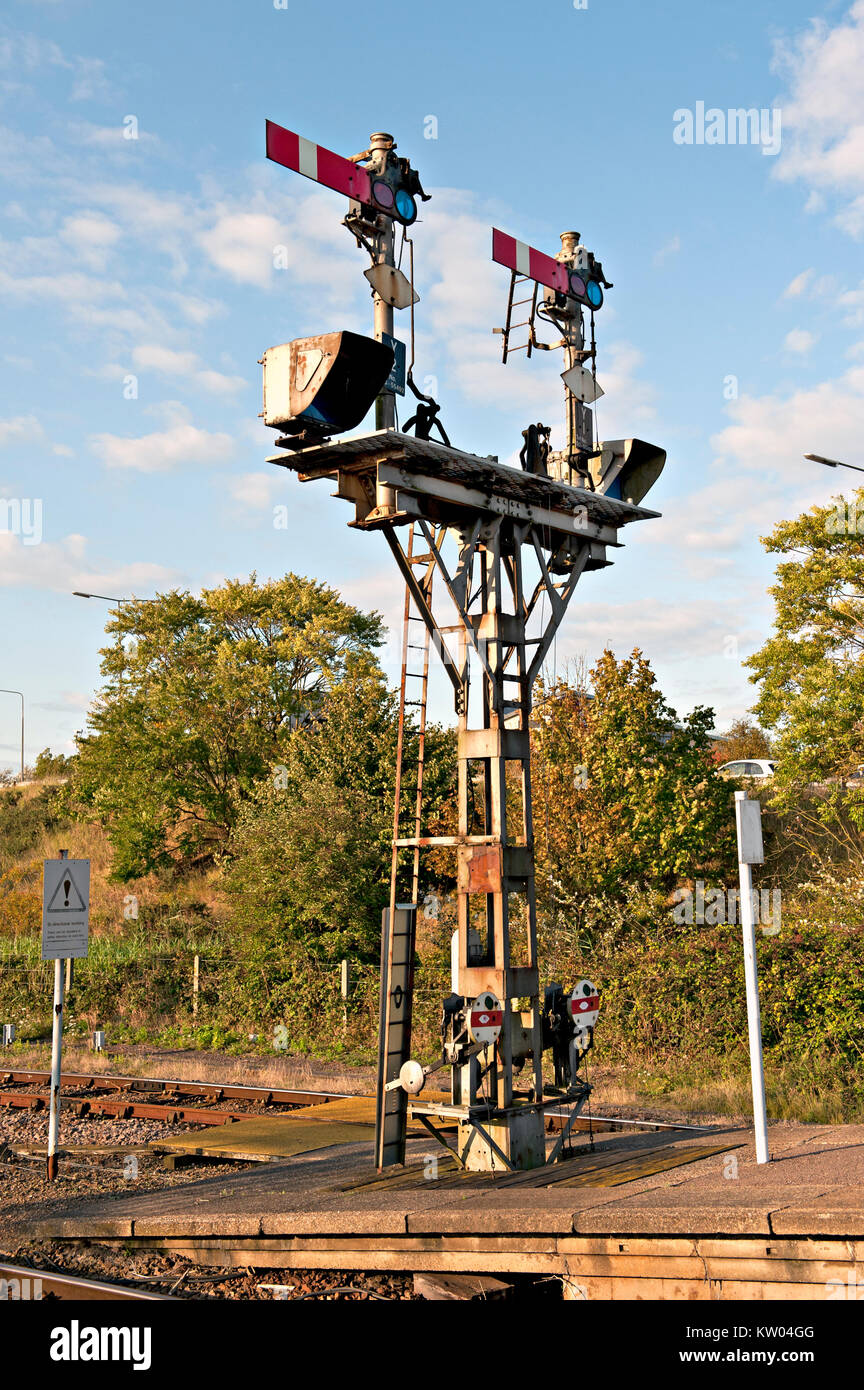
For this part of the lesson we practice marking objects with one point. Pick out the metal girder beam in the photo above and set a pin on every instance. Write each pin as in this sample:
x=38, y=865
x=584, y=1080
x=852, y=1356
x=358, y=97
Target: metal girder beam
x=558, y=612
x=458, y=590
x=457, y=680
x=566, y=524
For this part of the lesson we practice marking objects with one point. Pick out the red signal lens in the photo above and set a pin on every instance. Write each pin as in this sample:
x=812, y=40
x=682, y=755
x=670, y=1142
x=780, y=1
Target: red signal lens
x=382, y=193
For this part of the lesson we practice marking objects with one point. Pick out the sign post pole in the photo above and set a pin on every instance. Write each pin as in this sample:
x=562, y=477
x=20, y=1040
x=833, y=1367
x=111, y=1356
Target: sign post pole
x=65, y=925
x=56, y=1059
x=748, y=820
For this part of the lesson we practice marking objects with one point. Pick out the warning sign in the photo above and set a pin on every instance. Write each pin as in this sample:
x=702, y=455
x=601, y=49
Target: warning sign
x=65, y=908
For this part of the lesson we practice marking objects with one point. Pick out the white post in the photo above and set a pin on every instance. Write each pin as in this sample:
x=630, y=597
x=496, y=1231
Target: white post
x=345, y=990
x=748, y=820
x=195, y=982
x=56, y=1061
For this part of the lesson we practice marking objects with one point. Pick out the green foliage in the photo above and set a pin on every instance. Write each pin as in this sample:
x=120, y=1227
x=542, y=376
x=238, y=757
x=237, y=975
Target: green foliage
x=625, y=794
x=811, y=670
x=674, y=983
x=743, y=739
x=50, y=764
x=199, y=700
x=311, y=852
x=25, y=818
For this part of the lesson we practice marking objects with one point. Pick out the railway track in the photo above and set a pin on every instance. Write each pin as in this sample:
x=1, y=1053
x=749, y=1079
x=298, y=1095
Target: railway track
x=149, y=1098
x=20, y=1283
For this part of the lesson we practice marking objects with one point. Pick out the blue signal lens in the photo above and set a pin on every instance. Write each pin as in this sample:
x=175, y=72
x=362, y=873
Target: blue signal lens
x=405, y=206
x=595, y=294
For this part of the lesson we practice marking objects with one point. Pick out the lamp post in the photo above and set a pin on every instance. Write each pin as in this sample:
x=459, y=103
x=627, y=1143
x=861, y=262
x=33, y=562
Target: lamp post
x=21, y=698
x=77, y=593
x=833, y=463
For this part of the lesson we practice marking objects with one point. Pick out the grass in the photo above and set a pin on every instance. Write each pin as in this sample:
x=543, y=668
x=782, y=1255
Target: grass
x=297, y=1073
x=809, y=1092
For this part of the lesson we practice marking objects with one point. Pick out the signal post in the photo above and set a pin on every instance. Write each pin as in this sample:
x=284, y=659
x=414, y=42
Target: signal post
x=507, y=549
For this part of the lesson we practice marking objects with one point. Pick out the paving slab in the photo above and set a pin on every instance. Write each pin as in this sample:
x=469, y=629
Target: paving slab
x=814, y=1187
x=836, y=1212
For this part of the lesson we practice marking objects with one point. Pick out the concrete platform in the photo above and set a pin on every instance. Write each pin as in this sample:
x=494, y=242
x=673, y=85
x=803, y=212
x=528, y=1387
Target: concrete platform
x=631, y=1225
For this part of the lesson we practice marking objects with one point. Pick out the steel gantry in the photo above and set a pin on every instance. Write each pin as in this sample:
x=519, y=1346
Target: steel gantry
x=490, y=557
x=484, y=528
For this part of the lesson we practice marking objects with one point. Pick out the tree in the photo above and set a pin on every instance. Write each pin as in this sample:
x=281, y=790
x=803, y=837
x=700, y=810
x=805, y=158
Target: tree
x=310, y=868
x=743, y=739
x=626, y=796
x=50, y=764
x=200, y=696
x=811, y=670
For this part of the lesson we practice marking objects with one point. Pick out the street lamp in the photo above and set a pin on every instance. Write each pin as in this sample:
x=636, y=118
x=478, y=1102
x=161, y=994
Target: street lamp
x=21, y=698
x=76, y=593
x=833, y=463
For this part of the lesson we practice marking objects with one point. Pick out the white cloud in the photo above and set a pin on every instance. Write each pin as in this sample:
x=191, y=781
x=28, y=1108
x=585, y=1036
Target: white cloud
x=167, y=362
x=20, y=429
x=163, y=450
x=63, y=567
x=70, y=289
x=683, y=631
x=29, y=53
x=823, y=112
x=799, y=340
x=258, y=491
x=671, y=248
x=91, y=236
x=797, y=286
x=773, y=432
x=242, y=244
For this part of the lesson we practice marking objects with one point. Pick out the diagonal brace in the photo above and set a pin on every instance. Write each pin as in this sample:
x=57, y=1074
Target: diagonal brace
x=420, y=599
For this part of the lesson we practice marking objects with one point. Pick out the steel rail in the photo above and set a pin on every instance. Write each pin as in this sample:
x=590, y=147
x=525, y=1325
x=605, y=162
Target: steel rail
x=83, y=1106
x=214, y=1090
x=69, y=1286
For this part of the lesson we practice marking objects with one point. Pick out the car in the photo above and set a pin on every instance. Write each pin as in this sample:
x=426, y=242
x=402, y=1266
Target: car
x=756, y=769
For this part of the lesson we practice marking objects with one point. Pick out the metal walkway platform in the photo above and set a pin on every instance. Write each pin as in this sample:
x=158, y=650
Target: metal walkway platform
x=266, y=1138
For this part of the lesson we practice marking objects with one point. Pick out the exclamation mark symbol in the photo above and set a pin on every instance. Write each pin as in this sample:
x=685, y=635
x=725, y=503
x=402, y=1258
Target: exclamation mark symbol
x=67, y=885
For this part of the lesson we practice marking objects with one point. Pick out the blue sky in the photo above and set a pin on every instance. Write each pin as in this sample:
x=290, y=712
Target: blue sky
x=734, y=271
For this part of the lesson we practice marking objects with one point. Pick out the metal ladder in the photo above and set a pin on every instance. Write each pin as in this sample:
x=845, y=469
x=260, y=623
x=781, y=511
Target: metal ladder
x=518, y=281
x=400, y=922
x=427, y=564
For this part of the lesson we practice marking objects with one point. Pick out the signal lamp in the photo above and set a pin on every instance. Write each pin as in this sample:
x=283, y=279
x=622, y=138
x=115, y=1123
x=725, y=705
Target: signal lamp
x=626, y=469
x=391, y=193
x=325, y=384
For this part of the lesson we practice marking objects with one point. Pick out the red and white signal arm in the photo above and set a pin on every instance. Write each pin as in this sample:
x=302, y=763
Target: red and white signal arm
x=485, y=1018
x=523, y=259
x=288, y=148
x=584, y=1005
